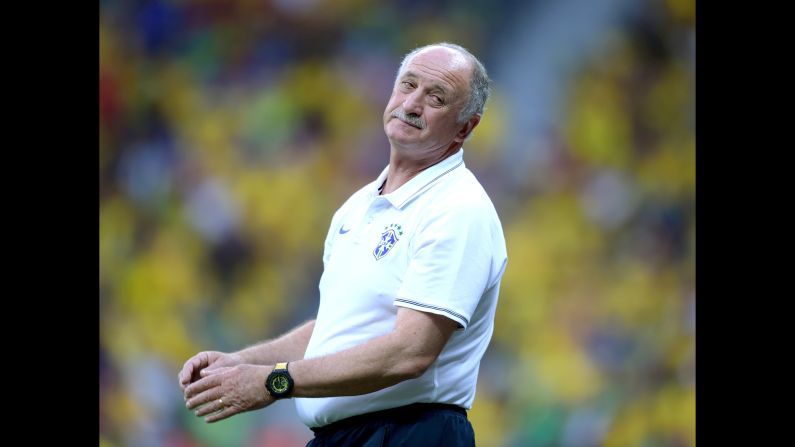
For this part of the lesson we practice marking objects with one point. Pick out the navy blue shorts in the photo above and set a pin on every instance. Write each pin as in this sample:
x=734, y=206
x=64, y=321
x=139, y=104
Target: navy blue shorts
x=414, y=425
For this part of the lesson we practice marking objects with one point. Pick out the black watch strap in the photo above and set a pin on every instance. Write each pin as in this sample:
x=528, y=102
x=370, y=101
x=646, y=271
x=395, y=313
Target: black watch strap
x=279, y=382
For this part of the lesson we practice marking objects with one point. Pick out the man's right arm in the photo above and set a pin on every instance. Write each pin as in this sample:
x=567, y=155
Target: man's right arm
x=287, y=348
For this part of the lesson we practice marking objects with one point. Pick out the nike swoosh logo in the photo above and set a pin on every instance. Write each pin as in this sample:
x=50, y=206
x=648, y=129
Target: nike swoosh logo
x=343, y=230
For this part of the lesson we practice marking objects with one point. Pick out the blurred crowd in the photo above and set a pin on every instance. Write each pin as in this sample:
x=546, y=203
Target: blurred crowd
x=231, y=131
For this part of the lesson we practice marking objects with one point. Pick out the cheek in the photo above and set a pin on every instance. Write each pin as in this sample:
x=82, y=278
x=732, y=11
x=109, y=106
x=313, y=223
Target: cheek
x=441, y=125
x=390, y=106
x=394, y=101
x=434, y=122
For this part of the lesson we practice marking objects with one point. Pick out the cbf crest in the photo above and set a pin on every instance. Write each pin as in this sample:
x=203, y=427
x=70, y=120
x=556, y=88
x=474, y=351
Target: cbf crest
x=389, y=238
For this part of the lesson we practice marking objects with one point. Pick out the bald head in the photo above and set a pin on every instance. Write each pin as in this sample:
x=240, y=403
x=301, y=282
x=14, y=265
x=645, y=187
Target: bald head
x=479, y=83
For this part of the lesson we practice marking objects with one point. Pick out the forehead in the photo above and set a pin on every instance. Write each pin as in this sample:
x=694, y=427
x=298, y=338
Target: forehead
x=443, y=65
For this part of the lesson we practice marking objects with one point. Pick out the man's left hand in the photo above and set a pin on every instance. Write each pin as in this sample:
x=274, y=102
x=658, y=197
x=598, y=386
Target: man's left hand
x=227, y=391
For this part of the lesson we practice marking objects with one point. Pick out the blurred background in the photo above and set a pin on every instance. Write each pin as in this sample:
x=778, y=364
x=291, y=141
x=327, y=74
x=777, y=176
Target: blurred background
x=230, y=132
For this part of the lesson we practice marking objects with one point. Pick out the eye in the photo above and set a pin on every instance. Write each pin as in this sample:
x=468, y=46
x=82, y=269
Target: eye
x=407, y=84
x=436, y=100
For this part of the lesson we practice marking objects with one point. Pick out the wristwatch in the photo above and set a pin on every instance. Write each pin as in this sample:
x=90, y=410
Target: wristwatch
x=279, y=382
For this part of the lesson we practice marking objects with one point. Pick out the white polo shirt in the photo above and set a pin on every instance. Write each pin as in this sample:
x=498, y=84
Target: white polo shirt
x=434, y=245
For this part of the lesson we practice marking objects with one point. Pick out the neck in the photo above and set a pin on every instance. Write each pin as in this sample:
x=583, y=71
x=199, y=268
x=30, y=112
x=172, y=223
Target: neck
x=403, y=168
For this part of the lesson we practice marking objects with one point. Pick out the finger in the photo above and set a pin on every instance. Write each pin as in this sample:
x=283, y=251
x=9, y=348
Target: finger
x=210, y=371
x=188, y=366
x=225, y=413
x=185, y=373
x=192, y=364
x=185, y=376
x=202, y=385
x=204, y=398
x=212, y=407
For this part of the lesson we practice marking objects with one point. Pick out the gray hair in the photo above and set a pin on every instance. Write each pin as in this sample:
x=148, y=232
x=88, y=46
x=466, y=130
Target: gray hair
x=479, y=86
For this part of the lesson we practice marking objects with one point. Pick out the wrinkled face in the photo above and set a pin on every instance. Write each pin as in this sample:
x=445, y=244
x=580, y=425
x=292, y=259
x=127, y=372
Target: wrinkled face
x=428, y=95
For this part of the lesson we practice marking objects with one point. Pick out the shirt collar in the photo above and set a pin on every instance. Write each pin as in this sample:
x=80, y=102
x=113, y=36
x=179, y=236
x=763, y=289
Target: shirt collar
x=401, y=196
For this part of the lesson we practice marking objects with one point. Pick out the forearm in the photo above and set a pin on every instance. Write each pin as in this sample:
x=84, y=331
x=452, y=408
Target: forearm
x=379, y=363
x=287, y=348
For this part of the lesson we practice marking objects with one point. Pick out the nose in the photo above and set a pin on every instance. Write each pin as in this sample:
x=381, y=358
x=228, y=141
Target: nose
x=413, y=103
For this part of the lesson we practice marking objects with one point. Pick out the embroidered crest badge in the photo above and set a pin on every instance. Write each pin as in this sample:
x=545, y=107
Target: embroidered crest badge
x=389, y=238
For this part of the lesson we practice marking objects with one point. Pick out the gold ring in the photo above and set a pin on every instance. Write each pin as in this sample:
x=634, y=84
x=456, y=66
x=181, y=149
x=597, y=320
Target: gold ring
x=221, y=401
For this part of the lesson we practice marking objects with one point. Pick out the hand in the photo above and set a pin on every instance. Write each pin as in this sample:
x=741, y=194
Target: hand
x=206, y=361
x=227, y=391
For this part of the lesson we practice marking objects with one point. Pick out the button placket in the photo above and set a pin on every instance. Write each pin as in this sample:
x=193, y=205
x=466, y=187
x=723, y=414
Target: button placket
x=365, y=222
x=376, y=206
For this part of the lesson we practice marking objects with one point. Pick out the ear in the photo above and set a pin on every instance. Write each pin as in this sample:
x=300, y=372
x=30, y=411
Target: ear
x=467, y=128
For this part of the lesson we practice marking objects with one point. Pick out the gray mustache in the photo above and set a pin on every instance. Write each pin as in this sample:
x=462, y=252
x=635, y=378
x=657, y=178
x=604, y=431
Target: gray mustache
x=412, y=119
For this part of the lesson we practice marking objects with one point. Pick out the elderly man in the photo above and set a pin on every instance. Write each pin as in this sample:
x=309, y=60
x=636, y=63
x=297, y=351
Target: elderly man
x=412, y=269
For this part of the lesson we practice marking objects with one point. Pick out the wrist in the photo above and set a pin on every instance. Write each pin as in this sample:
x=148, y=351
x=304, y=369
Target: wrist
x=245, y=356
x=279, y=382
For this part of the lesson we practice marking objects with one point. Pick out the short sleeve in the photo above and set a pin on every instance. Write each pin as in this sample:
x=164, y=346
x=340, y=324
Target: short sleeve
x=450, y=264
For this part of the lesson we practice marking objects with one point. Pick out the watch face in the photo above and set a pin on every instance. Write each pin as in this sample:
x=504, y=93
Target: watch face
x=280, y=384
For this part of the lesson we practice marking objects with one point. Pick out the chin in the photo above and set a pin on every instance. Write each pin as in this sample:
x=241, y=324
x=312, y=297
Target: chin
x=400, y=136
x=399, y=140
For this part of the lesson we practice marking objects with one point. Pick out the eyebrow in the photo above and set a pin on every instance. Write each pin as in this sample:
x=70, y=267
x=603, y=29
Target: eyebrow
x=433, y=85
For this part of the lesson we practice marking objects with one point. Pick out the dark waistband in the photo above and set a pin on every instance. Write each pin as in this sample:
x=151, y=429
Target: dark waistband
x=397, y=414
